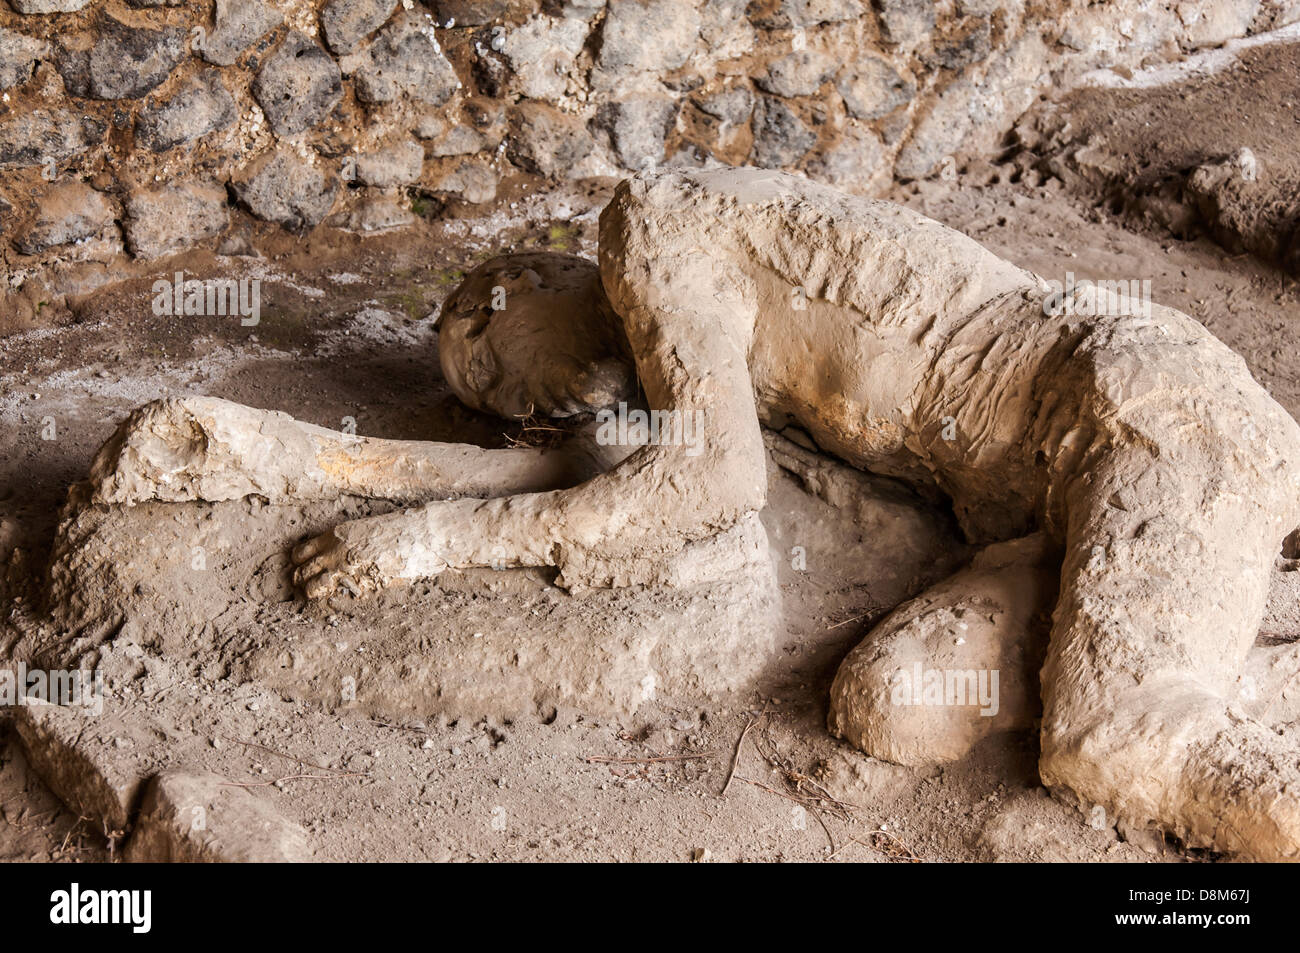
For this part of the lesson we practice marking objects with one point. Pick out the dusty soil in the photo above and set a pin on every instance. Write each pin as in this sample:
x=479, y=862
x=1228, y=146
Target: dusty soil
x=345, y=333
x=1212, y=152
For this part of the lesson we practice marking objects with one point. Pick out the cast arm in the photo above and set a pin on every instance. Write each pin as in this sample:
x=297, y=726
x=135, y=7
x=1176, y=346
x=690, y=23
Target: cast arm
x=663, y=496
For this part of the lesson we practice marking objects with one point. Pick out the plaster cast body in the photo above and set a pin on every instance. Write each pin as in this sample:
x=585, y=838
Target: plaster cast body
x=1138, y=449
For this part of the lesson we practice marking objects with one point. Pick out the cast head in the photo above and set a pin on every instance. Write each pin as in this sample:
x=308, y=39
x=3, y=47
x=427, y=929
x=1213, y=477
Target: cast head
x=534, y=334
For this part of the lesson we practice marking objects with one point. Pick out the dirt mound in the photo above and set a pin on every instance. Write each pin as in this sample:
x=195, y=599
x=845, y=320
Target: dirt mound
x=1208, y=148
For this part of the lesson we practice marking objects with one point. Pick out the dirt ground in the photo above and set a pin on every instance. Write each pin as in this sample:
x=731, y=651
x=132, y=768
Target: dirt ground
x=346, y=332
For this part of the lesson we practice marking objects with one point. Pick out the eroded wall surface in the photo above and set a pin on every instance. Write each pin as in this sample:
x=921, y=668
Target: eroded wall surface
x=136, y=129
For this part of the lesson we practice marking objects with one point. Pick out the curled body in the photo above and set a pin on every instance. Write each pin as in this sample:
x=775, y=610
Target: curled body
x=1129, y=478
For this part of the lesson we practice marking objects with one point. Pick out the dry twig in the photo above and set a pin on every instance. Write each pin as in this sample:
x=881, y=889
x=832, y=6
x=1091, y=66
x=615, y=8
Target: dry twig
x=294, y=777
x=735, y=757
x=281, y=754
x=598, y=759
x=857, y=618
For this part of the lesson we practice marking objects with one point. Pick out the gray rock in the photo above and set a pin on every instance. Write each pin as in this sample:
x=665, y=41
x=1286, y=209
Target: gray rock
x=850, y=164
x=171, y=218
x=724, y=29
x=482, y=126
x=541, y=53
x=72, y=751
x=938, y=134
x=48, y=6
x=1216, y=23
x=690, y=156
x=682, y=82
x=1011, y=85
x=473, y=182
x=347, y=22
x=67, y=213
x=797, y=74
x=544, y=140
x=871, y=88
x=280, y=187
x=732, y=106
x=125, y=62
x=780, y=137
x=405, y=58
x=576, y=9
x=18, y=56
x=905, y=22
x=298, y=86
x=430, y=125
x=482, y=12
x=787, y=14
x=399, y=164
x=200, y=106
x=969, y=42
x=193, y=816
x=377, y=214
x=459, y=140
x=894, y=127
x=238, y=23
x=38, y=136
x=648, y=35
x=638, y=129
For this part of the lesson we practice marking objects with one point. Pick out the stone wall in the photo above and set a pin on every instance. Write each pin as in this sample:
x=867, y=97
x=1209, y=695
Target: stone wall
x=135, y=129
